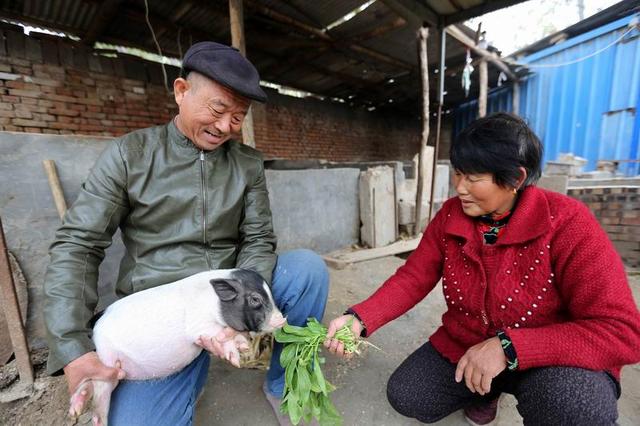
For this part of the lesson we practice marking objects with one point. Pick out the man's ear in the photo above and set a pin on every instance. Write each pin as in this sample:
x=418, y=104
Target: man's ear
x=180, y=87
x=225, y=289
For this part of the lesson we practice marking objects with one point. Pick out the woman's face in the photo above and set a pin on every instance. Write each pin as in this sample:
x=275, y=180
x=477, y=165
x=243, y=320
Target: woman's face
x=480, y=195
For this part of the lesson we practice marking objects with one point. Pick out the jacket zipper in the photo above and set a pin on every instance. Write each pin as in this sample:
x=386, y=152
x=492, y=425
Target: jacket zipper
x=204, y=208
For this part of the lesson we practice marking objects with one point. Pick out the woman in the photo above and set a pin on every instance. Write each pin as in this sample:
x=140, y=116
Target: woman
x=538, y=304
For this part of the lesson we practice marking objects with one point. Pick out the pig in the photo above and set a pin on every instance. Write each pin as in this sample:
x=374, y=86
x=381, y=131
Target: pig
x=152, y=334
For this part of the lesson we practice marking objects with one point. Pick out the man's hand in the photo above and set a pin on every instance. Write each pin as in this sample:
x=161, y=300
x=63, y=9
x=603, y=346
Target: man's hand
x=480, y=364
x=89, y=366
x=334, y=345
x=225, y=345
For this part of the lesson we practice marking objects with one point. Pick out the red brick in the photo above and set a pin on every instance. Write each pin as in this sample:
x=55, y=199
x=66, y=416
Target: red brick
x=64, y=126
x=29, y=101
x=25, y=93
x=46, y=82
x=65, y=112
x=23, y=114
x=28, y=123
x=22, y=70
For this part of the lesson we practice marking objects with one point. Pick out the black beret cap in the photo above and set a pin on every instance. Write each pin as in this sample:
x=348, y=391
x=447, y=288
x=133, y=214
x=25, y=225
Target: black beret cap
x=225, y=65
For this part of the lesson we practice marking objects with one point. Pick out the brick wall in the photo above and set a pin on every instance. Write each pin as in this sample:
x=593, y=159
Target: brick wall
x=618, y=211
x=53, y=85
x=296, y=128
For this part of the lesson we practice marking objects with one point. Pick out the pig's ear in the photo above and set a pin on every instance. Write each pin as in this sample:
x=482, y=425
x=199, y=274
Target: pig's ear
x=225, y=289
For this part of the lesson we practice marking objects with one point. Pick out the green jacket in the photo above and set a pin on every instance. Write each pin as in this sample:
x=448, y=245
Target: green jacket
x=180, y=211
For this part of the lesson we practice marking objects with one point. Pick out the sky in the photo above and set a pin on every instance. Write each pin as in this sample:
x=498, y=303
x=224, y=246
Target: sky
x=518, y=26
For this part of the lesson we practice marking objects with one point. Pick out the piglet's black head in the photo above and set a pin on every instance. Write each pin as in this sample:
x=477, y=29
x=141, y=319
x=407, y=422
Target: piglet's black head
x=245, y=301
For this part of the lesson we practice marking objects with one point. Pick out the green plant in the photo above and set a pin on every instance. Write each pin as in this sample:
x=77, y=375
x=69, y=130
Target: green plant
x=306, y=391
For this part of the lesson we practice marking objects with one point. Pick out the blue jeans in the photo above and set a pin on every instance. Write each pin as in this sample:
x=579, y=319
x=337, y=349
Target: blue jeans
x=300, y=287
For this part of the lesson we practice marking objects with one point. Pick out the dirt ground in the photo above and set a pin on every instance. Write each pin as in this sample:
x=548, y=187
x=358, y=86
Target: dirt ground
x=233, y=396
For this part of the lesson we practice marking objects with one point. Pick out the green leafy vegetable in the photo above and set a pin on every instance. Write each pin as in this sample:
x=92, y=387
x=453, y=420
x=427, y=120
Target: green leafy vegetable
x=306, y=392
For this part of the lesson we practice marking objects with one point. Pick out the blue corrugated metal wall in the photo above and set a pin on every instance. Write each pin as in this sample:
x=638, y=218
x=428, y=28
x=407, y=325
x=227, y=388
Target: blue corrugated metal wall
x=589, y=108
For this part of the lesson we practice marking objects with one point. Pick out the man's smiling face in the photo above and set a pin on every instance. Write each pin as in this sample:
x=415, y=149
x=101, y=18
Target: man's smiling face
x=210, y=114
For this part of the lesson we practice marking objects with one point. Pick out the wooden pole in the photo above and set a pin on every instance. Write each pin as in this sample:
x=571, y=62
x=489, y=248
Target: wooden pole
x=11, y=309
x=457, y=34
x=441, y=76
x=236, y=17
x=56, y=188
x=516, y=98
x=422, y=158
x=484, y=88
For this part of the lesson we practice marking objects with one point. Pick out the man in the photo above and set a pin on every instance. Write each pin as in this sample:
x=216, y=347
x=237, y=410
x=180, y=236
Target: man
x=186, y=198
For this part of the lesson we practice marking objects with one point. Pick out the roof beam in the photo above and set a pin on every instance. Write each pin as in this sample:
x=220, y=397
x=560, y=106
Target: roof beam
x=103, y=17
x=182, y=10
x=479, y=10
x=17, y=17
x=322, y=36
x=414, y=12
x=398, y=22
x=464, y=39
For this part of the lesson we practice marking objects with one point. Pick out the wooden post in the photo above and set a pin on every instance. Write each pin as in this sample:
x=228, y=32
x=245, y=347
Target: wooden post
x=56, y=188
x=484, y=87
x=236, y=17
x=11, y=310
x=516, y=98
x=441, y=76
x=422, y=158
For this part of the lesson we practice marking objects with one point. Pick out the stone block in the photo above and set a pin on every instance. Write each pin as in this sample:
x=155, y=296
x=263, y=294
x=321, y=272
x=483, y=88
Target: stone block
x=557, y=183
x=377, y=207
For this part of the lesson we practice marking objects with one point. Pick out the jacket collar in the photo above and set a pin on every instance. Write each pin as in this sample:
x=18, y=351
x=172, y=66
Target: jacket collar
x=179, y=139
x=530, y=219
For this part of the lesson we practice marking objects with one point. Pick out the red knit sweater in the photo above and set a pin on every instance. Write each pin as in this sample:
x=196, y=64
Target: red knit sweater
x=553, y=281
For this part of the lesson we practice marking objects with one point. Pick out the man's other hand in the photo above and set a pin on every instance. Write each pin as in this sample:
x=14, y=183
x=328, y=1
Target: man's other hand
x=89, y=366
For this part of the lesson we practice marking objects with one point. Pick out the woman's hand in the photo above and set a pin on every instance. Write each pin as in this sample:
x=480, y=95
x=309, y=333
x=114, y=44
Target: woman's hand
x=480, y=364
x=335, y=346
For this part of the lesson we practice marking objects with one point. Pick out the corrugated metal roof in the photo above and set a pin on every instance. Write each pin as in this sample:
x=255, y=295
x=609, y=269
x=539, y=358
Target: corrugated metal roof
x=285, y=39
x=589, y=108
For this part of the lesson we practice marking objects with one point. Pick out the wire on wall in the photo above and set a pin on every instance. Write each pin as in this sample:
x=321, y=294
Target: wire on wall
x=155, y=40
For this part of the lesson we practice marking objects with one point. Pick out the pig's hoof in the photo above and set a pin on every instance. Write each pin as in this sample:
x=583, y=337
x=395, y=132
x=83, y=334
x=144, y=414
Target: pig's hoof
x=97, y=421
x=80, y=398
x=242, y=344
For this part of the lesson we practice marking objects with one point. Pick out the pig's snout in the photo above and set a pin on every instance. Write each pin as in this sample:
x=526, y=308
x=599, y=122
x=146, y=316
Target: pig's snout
x=277, y=320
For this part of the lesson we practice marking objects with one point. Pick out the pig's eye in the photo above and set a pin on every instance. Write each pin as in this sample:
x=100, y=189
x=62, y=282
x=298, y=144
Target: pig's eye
x=255, y=301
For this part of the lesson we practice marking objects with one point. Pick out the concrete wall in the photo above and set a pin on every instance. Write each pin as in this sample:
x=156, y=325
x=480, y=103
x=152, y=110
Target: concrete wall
x=315, y=209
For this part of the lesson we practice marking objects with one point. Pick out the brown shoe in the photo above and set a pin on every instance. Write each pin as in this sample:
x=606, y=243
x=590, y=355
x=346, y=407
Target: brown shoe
x=274, y=401
x=483, y=414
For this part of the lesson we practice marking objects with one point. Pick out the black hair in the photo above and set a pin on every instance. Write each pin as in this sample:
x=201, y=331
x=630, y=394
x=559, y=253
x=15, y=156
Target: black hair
x=498, y=144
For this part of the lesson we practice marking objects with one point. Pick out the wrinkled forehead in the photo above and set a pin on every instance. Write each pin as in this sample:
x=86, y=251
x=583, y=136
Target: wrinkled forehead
x=214, y=93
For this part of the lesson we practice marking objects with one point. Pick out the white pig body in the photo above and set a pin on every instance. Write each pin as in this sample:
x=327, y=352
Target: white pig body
x=152, y=334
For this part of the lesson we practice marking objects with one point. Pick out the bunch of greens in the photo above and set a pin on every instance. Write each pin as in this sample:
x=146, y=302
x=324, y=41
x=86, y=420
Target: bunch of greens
x=306, y=392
